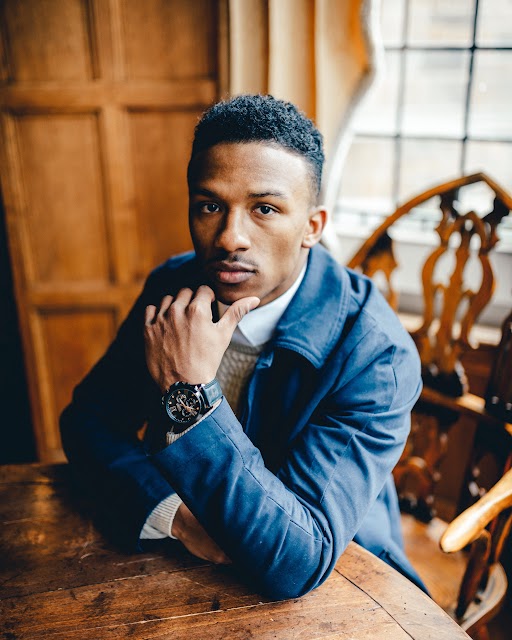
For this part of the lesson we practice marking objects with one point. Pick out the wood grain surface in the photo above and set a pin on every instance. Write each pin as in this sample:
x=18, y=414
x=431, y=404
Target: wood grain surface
x=59, y=578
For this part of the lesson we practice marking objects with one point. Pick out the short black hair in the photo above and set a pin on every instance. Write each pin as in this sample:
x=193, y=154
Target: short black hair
x=261, y=118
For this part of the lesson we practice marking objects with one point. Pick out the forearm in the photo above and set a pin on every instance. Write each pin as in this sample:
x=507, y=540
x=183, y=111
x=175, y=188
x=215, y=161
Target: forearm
x=287, y=530
x=160, y=521
x=261, y=525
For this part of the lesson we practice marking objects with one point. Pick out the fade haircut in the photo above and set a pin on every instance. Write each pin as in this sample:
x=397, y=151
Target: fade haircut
x=259, y=118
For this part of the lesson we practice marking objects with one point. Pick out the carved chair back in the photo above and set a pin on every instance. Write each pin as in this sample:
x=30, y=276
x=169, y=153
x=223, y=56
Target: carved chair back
x=453, y=299
x=450, y=305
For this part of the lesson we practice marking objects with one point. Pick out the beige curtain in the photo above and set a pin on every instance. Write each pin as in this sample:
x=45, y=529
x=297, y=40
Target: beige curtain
x=315, y=53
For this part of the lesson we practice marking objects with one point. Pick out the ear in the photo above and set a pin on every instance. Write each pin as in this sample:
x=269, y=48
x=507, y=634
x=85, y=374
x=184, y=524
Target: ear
x=314, y=227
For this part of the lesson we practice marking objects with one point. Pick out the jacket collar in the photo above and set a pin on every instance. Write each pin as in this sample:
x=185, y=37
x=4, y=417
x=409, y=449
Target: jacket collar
x=312, y=323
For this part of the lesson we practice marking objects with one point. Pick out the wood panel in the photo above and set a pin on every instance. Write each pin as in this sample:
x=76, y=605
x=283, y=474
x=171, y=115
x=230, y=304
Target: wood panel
x=73, y=341
x=47, y=40
x=162, y=203
x=167, y=39
x=62, y=181
x=98, y=100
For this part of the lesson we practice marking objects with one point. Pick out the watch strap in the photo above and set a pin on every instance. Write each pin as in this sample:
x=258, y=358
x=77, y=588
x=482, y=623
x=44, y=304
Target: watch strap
x=211, y=393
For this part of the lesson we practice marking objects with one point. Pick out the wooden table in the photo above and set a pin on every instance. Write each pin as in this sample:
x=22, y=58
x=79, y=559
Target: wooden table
x=60, y=579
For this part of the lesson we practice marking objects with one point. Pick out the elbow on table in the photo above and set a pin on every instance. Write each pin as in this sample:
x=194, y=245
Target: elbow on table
x=284, y=588
x=294, y=577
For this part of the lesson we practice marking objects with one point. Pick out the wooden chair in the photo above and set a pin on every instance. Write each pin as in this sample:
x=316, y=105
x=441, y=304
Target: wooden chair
x=469, y=585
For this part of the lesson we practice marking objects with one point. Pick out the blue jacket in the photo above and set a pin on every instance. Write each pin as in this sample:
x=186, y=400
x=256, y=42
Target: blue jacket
x=308, y=466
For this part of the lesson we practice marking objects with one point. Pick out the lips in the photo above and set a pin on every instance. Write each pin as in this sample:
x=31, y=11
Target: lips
x=231, y=272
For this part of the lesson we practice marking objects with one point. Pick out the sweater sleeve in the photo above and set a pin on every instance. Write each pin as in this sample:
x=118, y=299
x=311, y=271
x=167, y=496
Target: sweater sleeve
x=159, y=522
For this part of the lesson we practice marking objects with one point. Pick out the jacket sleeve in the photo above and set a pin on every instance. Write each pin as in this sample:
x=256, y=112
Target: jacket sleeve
x=99, y=433
x=287, y=530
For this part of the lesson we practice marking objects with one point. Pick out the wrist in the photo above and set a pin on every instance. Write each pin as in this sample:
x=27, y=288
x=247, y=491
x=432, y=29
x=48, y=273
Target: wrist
x=186, y=403
x=177, y=523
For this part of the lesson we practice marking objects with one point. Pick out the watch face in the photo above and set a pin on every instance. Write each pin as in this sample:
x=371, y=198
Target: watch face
x=183, y=406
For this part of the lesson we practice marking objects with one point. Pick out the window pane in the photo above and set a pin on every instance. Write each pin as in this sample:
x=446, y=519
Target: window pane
x=490, y=112
x=440, y=22
x=425, y=163
x=435, y=93
x=493, y=158
x=477, y=197
x=392, y=22
x=494, y=28
x=367, y=181
x=378, y=114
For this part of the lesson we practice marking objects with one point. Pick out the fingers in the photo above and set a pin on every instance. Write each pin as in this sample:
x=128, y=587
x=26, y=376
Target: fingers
x=192, y=535
x=238, y=310
x=183, y=298
x=204, y=297
x=164, y=305
x=201, y=303
x=204, y=294
x=150, y=313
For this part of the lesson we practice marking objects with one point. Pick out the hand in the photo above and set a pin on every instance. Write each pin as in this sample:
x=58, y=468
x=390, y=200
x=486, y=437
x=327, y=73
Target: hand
x=191, y=534
x=182, y=343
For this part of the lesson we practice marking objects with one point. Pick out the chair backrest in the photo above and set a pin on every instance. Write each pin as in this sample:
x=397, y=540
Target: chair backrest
x=450, y=305
x=452, y=302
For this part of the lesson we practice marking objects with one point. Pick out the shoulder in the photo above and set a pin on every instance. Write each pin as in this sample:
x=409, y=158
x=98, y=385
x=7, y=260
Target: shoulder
x=370, y=317
x=373, y=341
x=181, y=261
x=177, y=272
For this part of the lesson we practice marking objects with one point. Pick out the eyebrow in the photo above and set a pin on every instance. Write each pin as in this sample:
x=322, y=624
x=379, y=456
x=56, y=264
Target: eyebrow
x=203, y=192
x=263, y=194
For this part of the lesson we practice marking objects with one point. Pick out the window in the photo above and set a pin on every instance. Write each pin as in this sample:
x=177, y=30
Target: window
x=442, y=108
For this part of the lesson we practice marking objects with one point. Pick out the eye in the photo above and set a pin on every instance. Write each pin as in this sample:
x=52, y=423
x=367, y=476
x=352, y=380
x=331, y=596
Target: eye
x=209, y=207
x=265, y=209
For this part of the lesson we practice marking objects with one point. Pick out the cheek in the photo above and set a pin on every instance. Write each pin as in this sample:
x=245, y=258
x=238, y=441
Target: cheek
x=201, y=231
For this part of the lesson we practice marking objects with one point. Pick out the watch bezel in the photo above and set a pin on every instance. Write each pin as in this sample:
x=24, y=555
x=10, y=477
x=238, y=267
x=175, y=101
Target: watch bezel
x=195, y=390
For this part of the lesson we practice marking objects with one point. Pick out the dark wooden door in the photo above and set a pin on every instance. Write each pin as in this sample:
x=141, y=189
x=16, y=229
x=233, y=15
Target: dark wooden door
x=98, y=100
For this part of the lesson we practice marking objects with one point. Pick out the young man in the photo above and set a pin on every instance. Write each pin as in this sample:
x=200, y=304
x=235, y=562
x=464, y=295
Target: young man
x=272, y=431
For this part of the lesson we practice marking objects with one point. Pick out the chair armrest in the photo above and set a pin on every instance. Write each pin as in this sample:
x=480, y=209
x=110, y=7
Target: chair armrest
x=467, y=404
x=466, y=527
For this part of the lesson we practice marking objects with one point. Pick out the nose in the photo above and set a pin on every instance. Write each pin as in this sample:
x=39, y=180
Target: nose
x=233, y=234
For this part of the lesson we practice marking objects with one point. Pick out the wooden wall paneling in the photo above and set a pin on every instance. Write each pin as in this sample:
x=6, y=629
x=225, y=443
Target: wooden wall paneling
x=223, y=49
x=47, y=97
x=22, y=269
x=34, y=55
x=120, y=194
x=293, y=48
x=170, y=39
x=62, y=180
x=249, y=46
x=160, y=142
x=73, y=340
x=98, y=101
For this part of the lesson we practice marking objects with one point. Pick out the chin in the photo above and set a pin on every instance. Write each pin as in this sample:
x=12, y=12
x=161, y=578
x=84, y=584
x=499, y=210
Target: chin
x=229, y=295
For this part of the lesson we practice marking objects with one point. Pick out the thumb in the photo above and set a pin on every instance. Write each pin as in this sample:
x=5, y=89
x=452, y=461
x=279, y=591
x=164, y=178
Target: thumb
x=238, y=310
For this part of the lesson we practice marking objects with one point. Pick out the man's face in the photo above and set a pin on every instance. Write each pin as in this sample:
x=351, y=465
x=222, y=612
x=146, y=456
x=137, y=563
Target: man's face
x=252, y=218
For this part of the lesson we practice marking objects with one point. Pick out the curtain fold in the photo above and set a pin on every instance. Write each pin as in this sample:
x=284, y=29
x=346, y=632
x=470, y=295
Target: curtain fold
x=318, y=54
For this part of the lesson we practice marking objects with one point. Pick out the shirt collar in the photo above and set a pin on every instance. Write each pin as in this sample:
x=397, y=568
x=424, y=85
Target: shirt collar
x=257, y=326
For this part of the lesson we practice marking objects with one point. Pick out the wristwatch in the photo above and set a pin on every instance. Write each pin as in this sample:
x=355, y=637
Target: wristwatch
x=185, y=403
